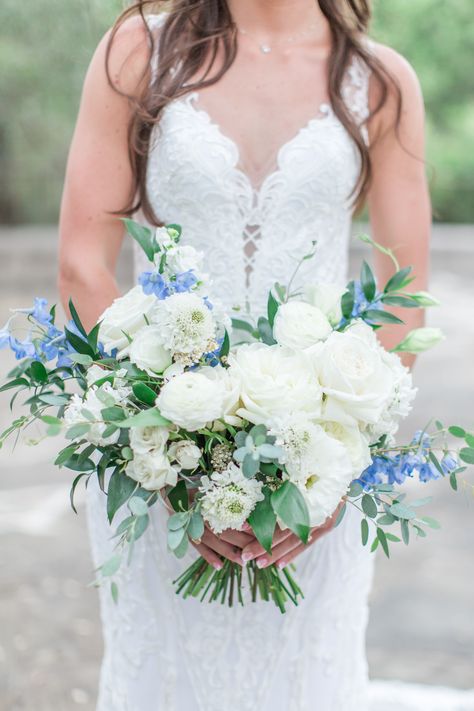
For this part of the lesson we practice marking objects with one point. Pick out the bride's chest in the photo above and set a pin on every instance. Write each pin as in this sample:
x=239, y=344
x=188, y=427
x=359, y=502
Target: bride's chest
x=192, y=160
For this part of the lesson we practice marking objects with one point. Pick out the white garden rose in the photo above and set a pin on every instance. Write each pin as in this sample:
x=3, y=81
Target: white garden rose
x=128, y=313
x=274, y=381
x=229, y=498
x=327, y=298
x=299, y=325
x=231, y=387
x=146, y=439
x=355, y=442
x=191, y=400
x=185, y=453
x=152, y=470
x=357, y=383
x=147, y=351
x=186, y=326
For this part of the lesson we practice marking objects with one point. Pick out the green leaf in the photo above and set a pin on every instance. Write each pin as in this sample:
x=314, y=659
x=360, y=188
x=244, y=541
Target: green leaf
x=147, y=418
x=78, y=464
x=111, y=566
x=434, y=459
x=347, y=304
x=355, y=489
x=65, y=454
x=453, y=481
x=93, y=337
x=405, y=531
x=50, y=420
x=383, y=541
x=225, y=348
x=364, y=531
x=196, y=526
x=263, y=521
x=374, y=545
x=38, y=372
x=18, y=382
x=391, y=537
x=113, y=414
x=114, y=591
x=272, y=308
x=180, y=552
x=78, y=344
x=178, y=496
x=469, y=438
x=402, y=511
x=81, y=358
x=241, y=325
x=467, y=455
x=140, y=526
x=406, y=302
x=120, y=490
x=77, y=431
x=431, y=522
x=178, y=520
x=398, y=280
x=379, y=316
x=386, y=519
x=265, y=331
x=73, y=490
x=143, y=236
x=421, y=533
x=289, y=505
x=340, y=515
x=137, y=506
x=144, y=394
x=457, y=431
x=368, y=281
x=76, y=319
x=58, y=400
x=369, y=507
x=250, y=466
x=383, y=250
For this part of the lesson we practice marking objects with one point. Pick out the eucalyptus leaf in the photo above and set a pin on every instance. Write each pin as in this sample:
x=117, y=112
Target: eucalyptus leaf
x=137, y=506
x=289, y=505
x=263, y=521
x=364, y=531
x=369, y=506
x=402, y=511
x=120, y=490
x=111, y=566
x=196, y=526
x=147, y=418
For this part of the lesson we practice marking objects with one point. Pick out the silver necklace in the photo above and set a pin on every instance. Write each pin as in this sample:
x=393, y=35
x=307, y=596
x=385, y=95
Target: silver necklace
x=291, y=39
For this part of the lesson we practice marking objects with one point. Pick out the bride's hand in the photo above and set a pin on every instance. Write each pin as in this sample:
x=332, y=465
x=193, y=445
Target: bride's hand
x=286, y=546
x=228, y=544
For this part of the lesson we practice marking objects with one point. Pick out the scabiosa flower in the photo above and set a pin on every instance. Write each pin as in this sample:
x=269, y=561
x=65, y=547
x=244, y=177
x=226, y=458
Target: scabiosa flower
x=228, y=498
x=187, y=327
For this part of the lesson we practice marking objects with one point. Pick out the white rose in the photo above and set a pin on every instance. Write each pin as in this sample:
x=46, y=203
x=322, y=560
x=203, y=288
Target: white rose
x=355, y=380
x=147, y=351
x=355, y=443
x=231, y=388
x=184, y=258
x=145, y=439
x=327, y=298
x=128, y=313
x=186, y=453
x=274, y=381
x=152, y=471
x=299, y=325
x=191, y=400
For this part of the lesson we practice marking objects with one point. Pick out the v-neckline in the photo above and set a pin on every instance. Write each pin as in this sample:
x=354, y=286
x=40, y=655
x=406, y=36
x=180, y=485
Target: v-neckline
x=324, y=113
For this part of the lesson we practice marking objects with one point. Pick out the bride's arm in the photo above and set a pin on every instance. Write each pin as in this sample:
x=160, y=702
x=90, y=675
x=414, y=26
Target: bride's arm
x=399, y=204
x=99, y=177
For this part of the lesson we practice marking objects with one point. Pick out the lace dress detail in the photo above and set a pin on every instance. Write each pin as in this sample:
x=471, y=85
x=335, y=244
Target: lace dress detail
x=163, y=653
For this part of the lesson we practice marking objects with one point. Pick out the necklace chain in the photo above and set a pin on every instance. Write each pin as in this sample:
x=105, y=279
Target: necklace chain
x=266, y=48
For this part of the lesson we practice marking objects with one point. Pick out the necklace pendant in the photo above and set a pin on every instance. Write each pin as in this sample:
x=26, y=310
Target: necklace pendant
x=265, y=49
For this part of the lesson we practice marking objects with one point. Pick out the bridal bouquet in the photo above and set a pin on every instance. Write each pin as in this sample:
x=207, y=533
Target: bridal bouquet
x=285, y=424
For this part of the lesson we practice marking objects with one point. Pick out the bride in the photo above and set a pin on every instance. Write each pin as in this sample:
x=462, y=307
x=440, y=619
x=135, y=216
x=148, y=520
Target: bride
x=259, y=126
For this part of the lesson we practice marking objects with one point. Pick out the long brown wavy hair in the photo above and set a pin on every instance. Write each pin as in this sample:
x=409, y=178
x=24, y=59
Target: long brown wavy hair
x=192, y=34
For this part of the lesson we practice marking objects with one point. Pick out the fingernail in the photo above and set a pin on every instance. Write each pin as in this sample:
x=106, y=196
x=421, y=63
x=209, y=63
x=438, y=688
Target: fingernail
x=262, y=562
x=247, y=556
x=218, y=566
x=246, y=527
x=282, y=564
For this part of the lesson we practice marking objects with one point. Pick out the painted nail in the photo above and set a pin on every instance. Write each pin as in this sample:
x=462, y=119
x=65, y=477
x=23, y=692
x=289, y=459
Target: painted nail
x=282, y=564
x=218, y=566
x=246, y=556
x=262, y=562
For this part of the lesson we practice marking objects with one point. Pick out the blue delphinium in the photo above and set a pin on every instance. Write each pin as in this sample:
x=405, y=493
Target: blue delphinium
x=212, y=358
x=361, y=303
x=154, y=283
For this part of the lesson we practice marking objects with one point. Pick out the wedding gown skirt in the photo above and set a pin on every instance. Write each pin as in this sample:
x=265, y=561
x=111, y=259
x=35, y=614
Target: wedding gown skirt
x=163, y=653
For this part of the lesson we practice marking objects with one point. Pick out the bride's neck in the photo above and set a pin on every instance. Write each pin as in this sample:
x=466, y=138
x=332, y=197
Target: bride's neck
x=280, y=17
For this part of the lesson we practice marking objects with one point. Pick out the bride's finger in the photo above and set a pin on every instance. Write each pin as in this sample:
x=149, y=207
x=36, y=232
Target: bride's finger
x=254, y=550
x=286, y=559
x=236, y=538
x=227, y=550
x=209, y=555
x=279, y=551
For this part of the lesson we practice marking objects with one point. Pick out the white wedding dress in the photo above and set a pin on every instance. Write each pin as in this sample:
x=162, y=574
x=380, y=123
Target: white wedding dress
x=163, y=653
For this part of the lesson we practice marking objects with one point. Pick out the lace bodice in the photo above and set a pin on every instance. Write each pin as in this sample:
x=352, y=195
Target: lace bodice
x=252, y=236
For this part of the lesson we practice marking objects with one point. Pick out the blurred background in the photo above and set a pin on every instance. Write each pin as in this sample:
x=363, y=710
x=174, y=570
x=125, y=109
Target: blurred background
x=422, y=624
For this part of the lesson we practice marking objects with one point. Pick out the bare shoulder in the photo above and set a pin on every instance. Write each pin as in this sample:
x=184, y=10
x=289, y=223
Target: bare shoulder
x=125, y=51
x=399, y=68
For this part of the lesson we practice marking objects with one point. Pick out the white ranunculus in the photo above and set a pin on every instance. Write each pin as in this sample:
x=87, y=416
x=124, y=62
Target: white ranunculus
x=274, y=381
x=146, y=439
x=327, y=298
x=185, y=453
x=229, y=498
x=186, y=326
x=358, y=385
x=231, y=385
x=127, y=314
x=152, y=470
x=354, y=441
x=299, y=325
x=73, y=414
x=184, y=258
x=191, y=400
x=147, y=351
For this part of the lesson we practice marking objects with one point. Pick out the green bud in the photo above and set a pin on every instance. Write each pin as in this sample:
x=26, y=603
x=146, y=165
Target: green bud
x=419, y=340
x=424, y=299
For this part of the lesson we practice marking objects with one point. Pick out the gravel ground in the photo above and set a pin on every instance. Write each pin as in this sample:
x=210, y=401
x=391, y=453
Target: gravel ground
x=422, y=626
